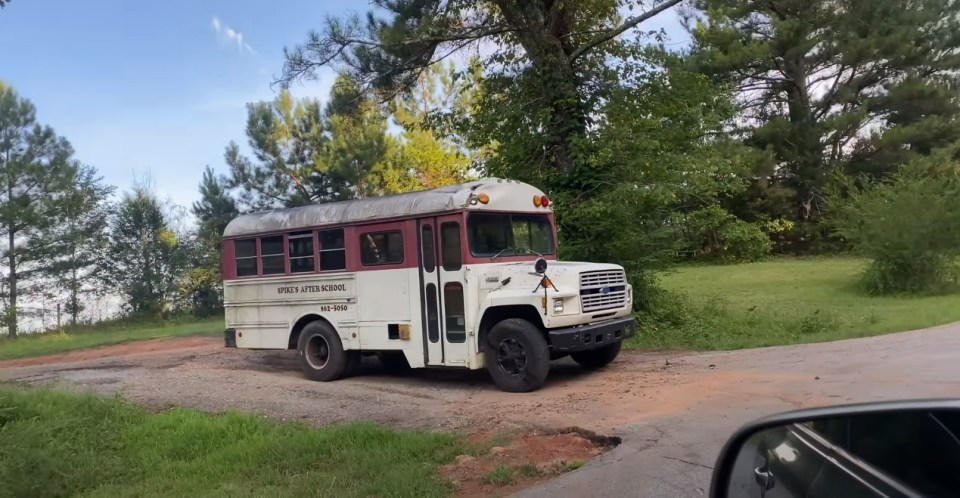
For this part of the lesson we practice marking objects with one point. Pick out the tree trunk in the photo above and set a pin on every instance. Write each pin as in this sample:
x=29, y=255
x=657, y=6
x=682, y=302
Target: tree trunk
x=806, y=151
x=74, y=289
x=550, y=56
x=12, y=282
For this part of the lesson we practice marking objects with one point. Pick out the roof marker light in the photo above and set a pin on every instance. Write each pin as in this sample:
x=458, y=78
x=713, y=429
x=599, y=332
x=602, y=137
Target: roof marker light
x=483, y=198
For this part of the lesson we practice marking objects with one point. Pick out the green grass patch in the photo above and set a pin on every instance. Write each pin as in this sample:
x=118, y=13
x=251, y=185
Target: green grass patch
x=785, y=301
x=500, y=476
x=528, y=470
x=26, y=345
x=58, y=444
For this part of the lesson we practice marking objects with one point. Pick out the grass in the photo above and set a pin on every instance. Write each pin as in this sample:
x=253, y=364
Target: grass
x=500, y=476
x=781, y=302
x=26, y=345
x=59, y=444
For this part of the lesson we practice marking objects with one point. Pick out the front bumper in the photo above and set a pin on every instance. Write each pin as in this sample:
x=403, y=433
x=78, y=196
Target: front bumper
x=230, y=338
x=593, y=336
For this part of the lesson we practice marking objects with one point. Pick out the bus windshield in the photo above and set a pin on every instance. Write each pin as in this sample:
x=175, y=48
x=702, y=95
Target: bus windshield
x=493, y=234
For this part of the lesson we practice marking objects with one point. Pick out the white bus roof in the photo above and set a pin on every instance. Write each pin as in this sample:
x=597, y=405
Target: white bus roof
x=505, y=195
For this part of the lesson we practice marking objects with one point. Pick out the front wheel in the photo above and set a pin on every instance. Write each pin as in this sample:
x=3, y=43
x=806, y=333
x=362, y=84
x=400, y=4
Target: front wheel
x=321, y=353
x=517, y=356
x=597, y=358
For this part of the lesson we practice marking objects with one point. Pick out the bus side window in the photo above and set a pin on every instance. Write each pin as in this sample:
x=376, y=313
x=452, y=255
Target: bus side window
x=333, y=256
x=450, y=246
x=454, y=312
x=383, y=248
x=246, y=257
x=429, y=254
x=272, y=255
x=300, y=249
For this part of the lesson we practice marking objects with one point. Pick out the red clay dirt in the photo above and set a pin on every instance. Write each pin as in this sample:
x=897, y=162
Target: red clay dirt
x=531, y=457
x=114, y=351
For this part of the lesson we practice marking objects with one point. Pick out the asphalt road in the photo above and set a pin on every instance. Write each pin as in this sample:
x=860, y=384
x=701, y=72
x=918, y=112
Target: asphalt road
x=672, y=454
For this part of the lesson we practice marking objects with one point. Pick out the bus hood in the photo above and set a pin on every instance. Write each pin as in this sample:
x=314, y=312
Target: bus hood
x=565, y=275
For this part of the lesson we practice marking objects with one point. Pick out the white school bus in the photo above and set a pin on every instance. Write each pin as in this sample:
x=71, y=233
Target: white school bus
x=461, y=276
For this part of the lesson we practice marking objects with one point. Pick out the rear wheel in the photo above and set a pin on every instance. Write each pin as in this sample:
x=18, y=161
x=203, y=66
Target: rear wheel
x=517, y=356
x=597, y=358
x=321, y=353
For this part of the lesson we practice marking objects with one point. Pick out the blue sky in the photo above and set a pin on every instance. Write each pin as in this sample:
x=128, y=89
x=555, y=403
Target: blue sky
x=159, y=88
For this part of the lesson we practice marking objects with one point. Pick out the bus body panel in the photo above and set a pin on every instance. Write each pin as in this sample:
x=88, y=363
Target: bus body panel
x=264, y=311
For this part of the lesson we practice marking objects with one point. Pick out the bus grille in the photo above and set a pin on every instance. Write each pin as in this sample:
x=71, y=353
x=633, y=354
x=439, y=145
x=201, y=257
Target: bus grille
x=602, y=290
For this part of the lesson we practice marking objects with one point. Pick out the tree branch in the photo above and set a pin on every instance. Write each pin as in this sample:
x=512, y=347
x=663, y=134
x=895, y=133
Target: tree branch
x=615, y=32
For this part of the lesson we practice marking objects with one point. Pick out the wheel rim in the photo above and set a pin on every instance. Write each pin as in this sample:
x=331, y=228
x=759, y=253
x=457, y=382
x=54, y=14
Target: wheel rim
x=512, y=357
x=318, y=352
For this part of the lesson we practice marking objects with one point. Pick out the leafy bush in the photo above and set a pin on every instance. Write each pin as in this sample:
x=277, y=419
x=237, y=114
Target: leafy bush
x=908, y=226
x=714, y=233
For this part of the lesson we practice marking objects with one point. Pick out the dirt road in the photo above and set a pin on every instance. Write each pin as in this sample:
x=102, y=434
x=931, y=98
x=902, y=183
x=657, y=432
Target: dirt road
x=672, y=410
x=199, y=372
x=672, y=454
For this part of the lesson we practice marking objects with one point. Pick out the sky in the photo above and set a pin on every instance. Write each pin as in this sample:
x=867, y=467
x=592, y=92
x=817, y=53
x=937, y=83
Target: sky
x=158, y=89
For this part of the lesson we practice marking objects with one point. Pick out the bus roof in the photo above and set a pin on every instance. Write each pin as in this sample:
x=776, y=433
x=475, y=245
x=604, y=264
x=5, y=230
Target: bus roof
x=504, y=195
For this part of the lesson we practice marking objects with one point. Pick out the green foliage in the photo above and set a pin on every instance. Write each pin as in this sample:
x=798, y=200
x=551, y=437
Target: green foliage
x=556, y=47
x=146, y=258
x=202, y=284
x=57, y=444
x=784, y=301
x=359, y=152
x=813, y=75
x=713, y=233
x=76, y=241
x=909, y=227
x=286, y=136
x=428, y=159
x=36, y=175
x=306, y=155
x=657, y=152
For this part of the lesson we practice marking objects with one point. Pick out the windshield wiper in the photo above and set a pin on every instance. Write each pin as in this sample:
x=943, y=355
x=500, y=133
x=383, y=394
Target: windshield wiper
x=497, y=255
x=530, y=251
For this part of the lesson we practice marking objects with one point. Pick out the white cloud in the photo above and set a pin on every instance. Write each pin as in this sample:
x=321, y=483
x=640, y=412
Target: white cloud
x=229, y=35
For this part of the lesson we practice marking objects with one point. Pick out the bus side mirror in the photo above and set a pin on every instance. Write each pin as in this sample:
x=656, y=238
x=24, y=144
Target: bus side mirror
x=872, y=449
x=540, y=266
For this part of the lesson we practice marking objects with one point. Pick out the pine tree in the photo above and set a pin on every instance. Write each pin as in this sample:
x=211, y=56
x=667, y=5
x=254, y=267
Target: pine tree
x=76, y=243
x=35, y=175
x=203, y=281
x=286, y=136
x=815, y=75
x=145, y=257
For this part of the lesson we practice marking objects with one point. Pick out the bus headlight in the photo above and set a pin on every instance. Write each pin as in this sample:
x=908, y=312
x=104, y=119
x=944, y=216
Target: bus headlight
x=558, y=305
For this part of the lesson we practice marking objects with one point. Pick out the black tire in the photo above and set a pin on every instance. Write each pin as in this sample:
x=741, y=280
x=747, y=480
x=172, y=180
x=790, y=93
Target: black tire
x=394, y=361
x=597, y=358
x=321, y=353
x=517, y=356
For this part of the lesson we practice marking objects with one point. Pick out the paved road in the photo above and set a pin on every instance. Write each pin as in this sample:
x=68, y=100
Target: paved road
x=672, y=454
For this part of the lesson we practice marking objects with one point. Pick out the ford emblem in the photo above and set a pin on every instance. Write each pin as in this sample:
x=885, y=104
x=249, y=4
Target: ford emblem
x=604, y=290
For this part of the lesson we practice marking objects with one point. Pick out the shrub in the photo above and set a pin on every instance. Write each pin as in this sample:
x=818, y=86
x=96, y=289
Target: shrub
x=908, y=226
x=714, y=233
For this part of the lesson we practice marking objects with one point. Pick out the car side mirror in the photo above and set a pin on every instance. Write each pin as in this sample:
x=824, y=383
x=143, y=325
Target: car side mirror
x=890, y=449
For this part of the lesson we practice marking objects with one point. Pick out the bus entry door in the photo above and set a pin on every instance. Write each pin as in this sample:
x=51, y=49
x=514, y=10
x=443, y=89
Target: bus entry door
x=442, y=292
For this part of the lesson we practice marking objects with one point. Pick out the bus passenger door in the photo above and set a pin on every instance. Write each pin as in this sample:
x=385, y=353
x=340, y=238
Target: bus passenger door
x=443, y=292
